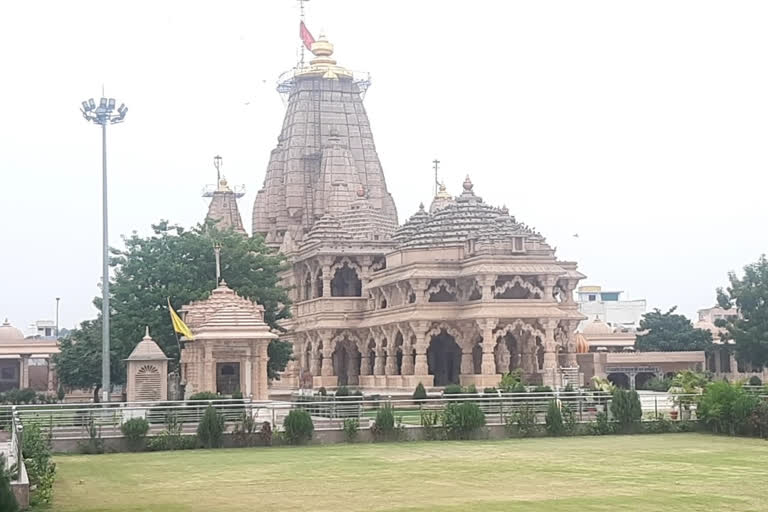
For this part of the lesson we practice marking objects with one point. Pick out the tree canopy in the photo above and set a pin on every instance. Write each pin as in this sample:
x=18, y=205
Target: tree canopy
x=671, y=331
x=749, y=296
x=177, y=264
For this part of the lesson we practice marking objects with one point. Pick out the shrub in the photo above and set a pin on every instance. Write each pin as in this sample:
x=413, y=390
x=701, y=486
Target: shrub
x=265, y=433
x=554, y=419
x=471, y=389
x=523, y=420
x=602, y=425
x=430, y=421
x=322, y=391
x=237, y=395
x=490, y=391
x=452, y=389
x=94, y=444
x=755, y=381
x=357, y=393
x=659, y=425
x=420, y=393
x=384, y=425
x=135, y=430
x=206, y=395
x=542, y=389
x=210, y=430
x=244, y=433
x=298, y=427
x=513, y=382
x=626, y=408
x=657, y=384
x=462, y=419
x=171, y=438
x=725, y=408
x=569, y=420
x=7, y=499
x=41, y=471
x=342, y=391
x=351, y=429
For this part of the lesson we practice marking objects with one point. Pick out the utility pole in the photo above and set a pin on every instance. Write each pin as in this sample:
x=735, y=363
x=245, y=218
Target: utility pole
x=103, y=115
x=57, y=316
x=437, y=183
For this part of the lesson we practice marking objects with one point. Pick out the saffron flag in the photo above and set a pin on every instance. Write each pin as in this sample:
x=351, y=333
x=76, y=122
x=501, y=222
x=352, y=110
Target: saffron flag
x=178, y=324
x=305, y=36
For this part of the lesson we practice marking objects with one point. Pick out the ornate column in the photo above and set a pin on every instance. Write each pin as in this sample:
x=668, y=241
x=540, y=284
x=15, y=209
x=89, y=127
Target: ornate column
x=489, y=343
x=571, y=359
x=420, y=366
x=51, y=376
x=549, y=368
x=419, y=288
x=548, y=286
x=391, y=366
x=365, y=273
x=314, y=361
x=327, y=365
x=378, y=364
x=24, y=372
x=486, y=283
x=327, y=280
x=365, y=359
x=407, y=368
x=352, y=370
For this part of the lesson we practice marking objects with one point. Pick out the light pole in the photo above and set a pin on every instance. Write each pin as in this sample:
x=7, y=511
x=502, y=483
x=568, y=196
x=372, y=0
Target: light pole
x=104, y=114
x=57, y=316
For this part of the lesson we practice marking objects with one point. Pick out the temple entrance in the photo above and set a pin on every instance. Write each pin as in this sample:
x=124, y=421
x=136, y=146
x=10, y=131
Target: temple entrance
x=346, y=363
x=620, y=380
x=227, y=378
x=444, y=359
x=9, y=375
x=642, y=379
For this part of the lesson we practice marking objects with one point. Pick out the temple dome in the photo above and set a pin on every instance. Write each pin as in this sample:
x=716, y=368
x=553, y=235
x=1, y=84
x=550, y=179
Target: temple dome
x=147, y=350
x=9, y=333
x=597, y=327
x=582, y=345
x=458, y=220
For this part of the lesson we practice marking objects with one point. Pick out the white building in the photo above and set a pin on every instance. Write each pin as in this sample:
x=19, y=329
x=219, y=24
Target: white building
x=594, y=302
x=42, y=329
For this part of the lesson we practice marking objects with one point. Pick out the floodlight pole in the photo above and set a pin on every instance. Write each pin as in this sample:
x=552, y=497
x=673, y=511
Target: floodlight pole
x=102, y=115
x=105, y=384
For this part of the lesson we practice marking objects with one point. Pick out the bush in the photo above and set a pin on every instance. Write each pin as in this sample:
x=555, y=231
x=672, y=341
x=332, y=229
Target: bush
x=384, y=426
x=542, y=389
x=554, y=420
x=452, y=389
x=7, y=499
x=95, y=443
x=523, y=421
x=727, y=408
x=462, y=419
x=755, y=381
x=322, y=391
x=298, y=427
x=210, y=430
x=626, y=408
x=351, y=429
x=513, y=382
x=41, y=470
x=490, y=391
x=429, y=422
x=244, y=433
x=135, y=430
x=659, y=425
x=601, y=426
x=206, y=395
x=420, y=393
x=342, y=391
x=657, y=384
x=171, y=438
x=471, y=389
x=569, y=420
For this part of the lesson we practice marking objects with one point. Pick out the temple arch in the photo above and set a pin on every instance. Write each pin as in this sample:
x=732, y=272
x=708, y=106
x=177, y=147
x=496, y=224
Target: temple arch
x=346, y=282
x=444, y=358
x=346, y=362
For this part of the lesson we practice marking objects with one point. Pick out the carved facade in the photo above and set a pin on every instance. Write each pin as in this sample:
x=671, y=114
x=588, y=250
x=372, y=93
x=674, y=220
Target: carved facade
x=462, y=293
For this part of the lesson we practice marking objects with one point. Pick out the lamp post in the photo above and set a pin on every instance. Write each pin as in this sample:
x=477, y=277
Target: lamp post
x=104, y=114
x=57, y=316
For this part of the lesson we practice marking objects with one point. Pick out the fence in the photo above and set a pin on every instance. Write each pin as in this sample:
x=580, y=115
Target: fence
x=75, y=421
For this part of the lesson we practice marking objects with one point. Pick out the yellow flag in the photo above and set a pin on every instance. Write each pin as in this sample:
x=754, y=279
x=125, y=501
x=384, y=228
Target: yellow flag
x=178, y=324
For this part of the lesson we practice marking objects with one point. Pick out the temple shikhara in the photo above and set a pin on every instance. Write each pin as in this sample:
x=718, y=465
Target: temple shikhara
x=462, y=292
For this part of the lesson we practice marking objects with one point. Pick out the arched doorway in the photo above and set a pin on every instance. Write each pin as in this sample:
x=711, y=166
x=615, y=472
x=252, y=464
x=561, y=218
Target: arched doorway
x=620, y=380
x=642, y=378
x=477, y=359
x=444, y=359
x=346, y=362
x=346, y=283
x=227, y=378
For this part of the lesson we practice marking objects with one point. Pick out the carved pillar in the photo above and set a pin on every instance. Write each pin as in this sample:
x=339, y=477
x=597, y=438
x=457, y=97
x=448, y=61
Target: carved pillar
x=407, y=368
x=51, y=376
x=326, y=369
x=548, y=286
x=378, y=364
x=390, y=368
x=571, y=359
x=365, y=273
x=489, y=343
x=365, y=360
x=420, y=366
x=419, y=288
x=550, y=345
x=314, y=361
x=24, y=372
x=352, y=370
x=486, y=284
x=327, y=280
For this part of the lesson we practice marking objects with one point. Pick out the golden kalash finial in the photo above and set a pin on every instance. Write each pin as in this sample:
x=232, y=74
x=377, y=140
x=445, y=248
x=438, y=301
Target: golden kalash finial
x=323, y=64
x=442, y=193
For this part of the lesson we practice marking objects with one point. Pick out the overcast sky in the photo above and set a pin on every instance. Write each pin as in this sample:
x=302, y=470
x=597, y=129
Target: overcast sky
x=641, y=126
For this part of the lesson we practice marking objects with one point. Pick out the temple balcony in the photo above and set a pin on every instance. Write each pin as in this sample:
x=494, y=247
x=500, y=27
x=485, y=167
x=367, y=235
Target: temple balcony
x=330, y=305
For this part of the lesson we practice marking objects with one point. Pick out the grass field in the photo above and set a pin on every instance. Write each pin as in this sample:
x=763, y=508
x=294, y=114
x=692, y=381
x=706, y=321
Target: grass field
x=681, y=472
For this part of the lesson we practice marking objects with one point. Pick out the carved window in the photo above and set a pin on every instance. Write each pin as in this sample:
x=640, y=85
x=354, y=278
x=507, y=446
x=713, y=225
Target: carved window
x=442, y=290
x=346, y=283
x=148, y=382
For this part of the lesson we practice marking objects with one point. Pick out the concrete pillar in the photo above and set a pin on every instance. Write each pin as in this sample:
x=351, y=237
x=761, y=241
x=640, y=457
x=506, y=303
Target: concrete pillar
x=632, y=377
x=466, y=362
x=24, y=372
x=420, y=366
x=390, y=368
x=718, y=361
x=378, y=363
x=326, y=369
x=248, y=376
x=734, y=364
x=327, y=280
x=550, y=345
x=314, y=362
x=51, y=376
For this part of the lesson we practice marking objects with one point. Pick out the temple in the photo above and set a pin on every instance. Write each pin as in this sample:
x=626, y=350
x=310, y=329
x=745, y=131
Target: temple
x=461, y=293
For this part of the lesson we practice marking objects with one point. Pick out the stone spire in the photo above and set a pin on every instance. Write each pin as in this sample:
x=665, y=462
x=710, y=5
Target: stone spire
x=223, y=210
x=324, y=155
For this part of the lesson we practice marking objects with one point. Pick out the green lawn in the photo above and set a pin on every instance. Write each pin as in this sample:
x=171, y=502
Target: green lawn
x=680, y=472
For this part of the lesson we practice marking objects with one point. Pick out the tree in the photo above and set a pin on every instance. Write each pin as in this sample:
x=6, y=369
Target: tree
x=178, y=264
x=748, y=296
x=78, y=365
x=671, y=332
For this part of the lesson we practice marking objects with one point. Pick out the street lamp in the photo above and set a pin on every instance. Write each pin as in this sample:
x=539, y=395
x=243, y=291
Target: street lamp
x=104, y=114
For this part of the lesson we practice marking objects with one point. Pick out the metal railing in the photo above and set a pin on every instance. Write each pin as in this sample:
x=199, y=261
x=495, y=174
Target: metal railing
x=17, y=445
x=75, y=421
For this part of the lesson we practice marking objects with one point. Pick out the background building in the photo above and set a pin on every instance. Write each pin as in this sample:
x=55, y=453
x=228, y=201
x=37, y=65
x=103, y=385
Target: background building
x=608, y=306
